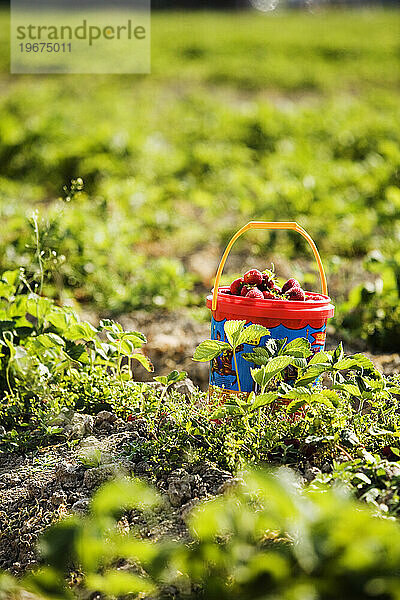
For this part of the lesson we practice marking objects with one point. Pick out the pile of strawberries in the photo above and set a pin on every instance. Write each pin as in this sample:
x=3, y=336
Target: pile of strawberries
x=262, y=285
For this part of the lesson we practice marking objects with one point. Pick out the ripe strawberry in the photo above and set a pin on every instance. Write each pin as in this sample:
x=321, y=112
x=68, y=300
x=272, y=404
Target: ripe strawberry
x=296, y=293
x=255, y=293
x=245, y=290
x=268, y=295
x=291, y=283
x=253, y=277
x=267, y=282
x=236, y=286
x=271, y=284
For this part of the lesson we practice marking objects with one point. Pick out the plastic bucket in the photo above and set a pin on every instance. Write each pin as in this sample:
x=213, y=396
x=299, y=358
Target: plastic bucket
x=284, y=319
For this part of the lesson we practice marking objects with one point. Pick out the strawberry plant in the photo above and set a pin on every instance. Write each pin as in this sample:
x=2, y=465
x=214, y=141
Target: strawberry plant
x=236, y=334
x=371, y=310
x=167, y=381
x=370, y=478
x=41, y=343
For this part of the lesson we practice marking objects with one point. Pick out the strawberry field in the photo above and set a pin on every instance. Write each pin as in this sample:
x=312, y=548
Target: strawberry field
x=119, y=476
x=226, y=129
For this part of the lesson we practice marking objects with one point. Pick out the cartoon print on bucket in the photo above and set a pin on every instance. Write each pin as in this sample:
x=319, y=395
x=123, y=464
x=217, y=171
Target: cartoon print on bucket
x=222, y=372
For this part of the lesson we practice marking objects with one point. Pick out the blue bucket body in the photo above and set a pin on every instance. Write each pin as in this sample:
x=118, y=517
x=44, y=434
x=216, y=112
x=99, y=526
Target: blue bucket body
x=222, y=372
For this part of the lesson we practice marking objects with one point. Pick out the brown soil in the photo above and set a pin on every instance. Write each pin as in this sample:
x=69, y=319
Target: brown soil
x=42, y=487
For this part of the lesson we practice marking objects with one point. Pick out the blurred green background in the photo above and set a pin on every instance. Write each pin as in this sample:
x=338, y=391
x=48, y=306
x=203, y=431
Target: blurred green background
x=285, y=115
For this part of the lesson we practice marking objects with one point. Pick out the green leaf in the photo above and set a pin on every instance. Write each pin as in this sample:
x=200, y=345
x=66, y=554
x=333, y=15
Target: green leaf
x=393, y=387
x=21, y=361
x=39, y=306
x=362, y=477
x=321, y=398
x=263, y=350
x=256, y=359
x=330, y=395
x=135, y=337
x=263, y=400
x=119, y=583
x=299, y=347
x=48, y=583
x=11, y=277
x=209, y=349
x=176, y=376
x=278, y=363
x=345, y=363
x=227, y=410
x=261, y=355
x=8, y=284
x=6, y=290
x=233, y=330
x=123, y=494
x=252, y=334
x=260, y=376
x=125, y=347
x=338, y=353
x=310, y=375
x=322, y=357
x=296, y=405
x=58, y=542
x=364, y=362
x=143, y=360
x=251, y=398
x=172, y=376
x=81, y=331
x=62, y=318
x=49, y=340
x=142, y=551
x=275, y=366
x=300, y=363
x=358, y=361
x=76, y=352
x=108, y=325
x=295, y=393
x=349, y=388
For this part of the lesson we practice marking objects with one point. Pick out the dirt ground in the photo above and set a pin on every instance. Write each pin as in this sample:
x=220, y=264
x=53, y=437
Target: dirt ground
x=42, y=487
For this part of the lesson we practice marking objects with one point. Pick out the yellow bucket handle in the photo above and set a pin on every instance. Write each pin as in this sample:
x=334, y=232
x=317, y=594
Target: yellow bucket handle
x=264, y=225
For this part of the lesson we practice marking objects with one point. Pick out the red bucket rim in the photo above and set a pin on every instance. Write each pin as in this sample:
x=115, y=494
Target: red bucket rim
x=268, y=307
